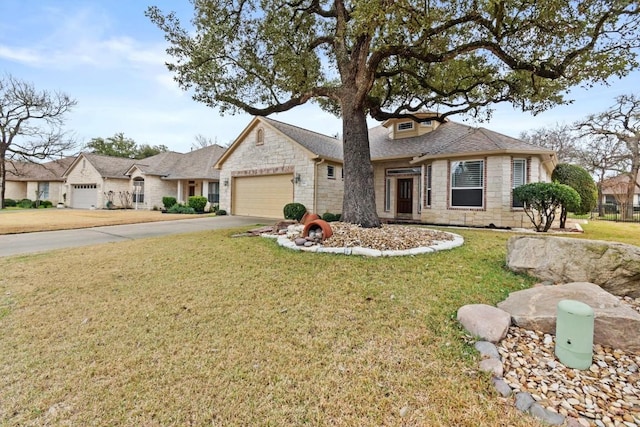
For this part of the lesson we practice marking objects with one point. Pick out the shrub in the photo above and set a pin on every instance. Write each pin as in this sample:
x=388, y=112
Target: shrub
x=221, y=212
x=169, y=201
x=25, y=203
x=542, y=200
x=330, y=217
x=198, y=203
x=181, y=209
x=579, y=179
x=294, y=211
x=10, y=203
x=46, y=204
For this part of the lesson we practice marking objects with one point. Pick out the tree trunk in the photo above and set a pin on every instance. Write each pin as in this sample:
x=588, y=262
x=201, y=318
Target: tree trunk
x=563, y=217
x=3, y=177
x=631, y=189
x=600, y=196
x=359, y=203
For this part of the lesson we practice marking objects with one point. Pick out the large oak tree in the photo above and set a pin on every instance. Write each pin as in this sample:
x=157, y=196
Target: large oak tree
x=388, y=59
x=31, y=122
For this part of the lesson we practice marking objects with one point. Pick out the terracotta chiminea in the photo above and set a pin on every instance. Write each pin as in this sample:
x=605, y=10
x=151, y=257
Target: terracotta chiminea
x=318, y=225
x=308, y=217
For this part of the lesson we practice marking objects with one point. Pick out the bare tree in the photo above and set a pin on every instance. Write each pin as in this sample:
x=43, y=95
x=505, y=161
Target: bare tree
x=201, y=141
x=602, y=157
x=621, y=122
x=31, y=124
x=561, y=138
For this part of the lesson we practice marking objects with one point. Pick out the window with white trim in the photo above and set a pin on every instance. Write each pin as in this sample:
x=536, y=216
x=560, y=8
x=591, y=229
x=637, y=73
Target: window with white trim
x=331, y=172
x=138, y=190
x=426, y=123
x=427, y=186
x=467, y=184
x=43, y=190
x=213, y=195
x=387, y=195
x=518, y=178
x=404, y=126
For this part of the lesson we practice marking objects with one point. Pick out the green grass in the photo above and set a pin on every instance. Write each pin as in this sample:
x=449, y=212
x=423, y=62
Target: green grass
x=205, y=329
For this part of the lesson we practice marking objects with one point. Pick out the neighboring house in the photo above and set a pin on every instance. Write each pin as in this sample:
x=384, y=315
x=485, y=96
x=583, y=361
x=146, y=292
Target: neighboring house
x=97, y=181
x=614, y=190
x=42, y=181
x=438, y=173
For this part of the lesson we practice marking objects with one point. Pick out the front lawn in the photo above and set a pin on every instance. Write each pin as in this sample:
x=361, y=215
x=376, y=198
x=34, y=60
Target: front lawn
x=206, y=329
x=30, y=220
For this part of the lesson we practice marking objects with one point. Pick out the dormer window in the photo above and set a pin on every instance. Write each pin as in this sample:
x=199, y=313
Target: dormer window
x=403, y=126
x=426, y=123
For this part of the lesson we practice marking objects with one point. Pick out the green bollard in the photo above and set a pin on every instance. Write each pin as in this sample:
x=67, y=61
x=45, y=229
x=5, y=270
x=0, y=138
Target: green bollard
x=574, y=334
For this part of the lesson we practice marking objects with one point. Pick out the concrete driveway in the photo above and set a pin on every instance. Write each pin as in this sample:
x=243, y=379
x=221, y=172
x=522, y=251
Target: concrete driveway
x=16, y=244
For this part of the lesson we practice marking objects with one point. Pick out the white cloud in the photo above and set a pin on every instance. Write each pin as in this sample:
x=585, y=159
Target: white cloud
x=22, y=55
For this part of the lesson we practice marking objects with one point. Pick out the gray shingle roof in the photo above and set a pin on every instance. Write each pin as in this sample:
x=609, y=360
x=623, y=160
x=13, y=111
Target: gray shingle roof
x=448, y=139
x=108, y=166
x=322, y=145
x=28, y=171
x=197, y=164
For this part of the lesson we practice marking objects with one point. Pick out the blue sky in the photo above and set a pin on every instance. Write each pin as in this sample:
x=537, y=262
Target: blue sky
x=110, y=57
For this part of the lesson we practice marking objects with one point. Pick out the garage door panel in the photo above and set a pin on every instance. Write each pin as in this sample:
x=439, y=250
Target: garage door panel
x=263, y=195
x=84, y=196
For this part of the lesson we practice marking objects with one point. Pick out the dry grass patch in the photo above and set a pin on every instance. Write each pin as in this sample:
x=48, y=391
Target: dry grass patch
x=206, y=329
x=30, y=220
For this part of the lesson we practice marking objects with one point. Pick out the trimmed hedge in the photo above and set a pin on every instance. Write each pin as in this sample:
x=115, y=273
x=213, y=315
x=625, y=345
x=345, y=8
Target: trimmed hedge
x=197, y=203
x=10, y=203
x=169, y=201
x=25, y=203
x=181, y=209
x=330, y=217
x=294, y=211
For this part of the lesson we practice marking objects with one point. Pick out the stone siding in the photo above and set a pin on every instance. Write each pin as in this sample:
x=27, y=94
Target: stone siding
x=329, y=191
x=380, y=180
x=497, y=195
x=16, y=190
x=276, y=153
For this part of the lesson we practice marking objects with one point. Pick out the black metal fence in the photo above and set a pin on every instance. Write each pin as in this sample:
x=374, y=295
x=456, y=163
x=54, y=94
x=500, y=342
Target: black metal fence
x=618, y=213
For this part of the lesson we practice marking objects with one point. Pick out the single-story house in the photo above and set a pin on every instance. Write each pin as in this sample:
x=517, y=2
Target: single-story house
x=97, y=181
x=614, y=190
x=429, y=171
x=42, y=181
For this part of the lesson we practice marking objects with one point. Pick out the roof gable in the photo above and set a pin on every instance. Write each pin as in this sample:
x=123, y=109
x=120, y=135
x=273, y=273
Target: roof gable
x=315, y=144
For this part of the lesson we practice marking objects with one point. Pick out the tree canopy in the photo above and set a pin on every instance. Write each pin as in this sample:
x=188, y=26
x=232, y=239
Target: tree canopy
x=120, y=146
x=621, y=123
x=31, y=124
x=391, y=59
x=579, y=179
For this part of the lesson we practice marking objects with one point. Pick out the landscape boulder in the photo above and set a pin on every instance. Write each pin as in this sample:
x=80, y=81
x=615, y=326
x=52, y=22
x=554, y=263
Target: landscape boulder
x=484, y=321
x=616, y=324
x=613, y=266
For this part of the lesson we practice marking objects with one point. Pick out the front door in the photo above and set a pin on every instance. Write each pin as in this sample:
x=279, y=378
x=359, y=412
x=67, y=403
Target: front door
x=404, y=191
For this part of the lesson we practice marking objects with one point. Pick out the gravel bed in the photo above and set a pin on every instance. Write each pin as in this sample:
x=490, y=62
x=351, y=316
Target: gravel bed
x=385, y=238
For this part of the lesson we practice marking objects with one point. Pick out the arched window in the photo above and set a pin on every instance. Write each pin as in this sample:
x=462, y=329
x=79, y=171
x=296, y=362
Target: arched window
x=138, y=190
x=260, y=137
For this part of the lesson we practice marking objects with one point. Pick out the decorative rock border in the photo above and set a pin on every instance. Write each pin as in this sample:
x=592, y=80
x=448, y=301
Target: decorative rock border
x=523, y=365
x=285, y=241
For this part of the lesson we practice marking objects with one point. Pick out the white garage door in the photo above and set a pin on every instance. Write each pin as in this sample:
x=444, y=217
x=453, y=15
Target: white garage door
x=84, y=196
x=263, y=195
